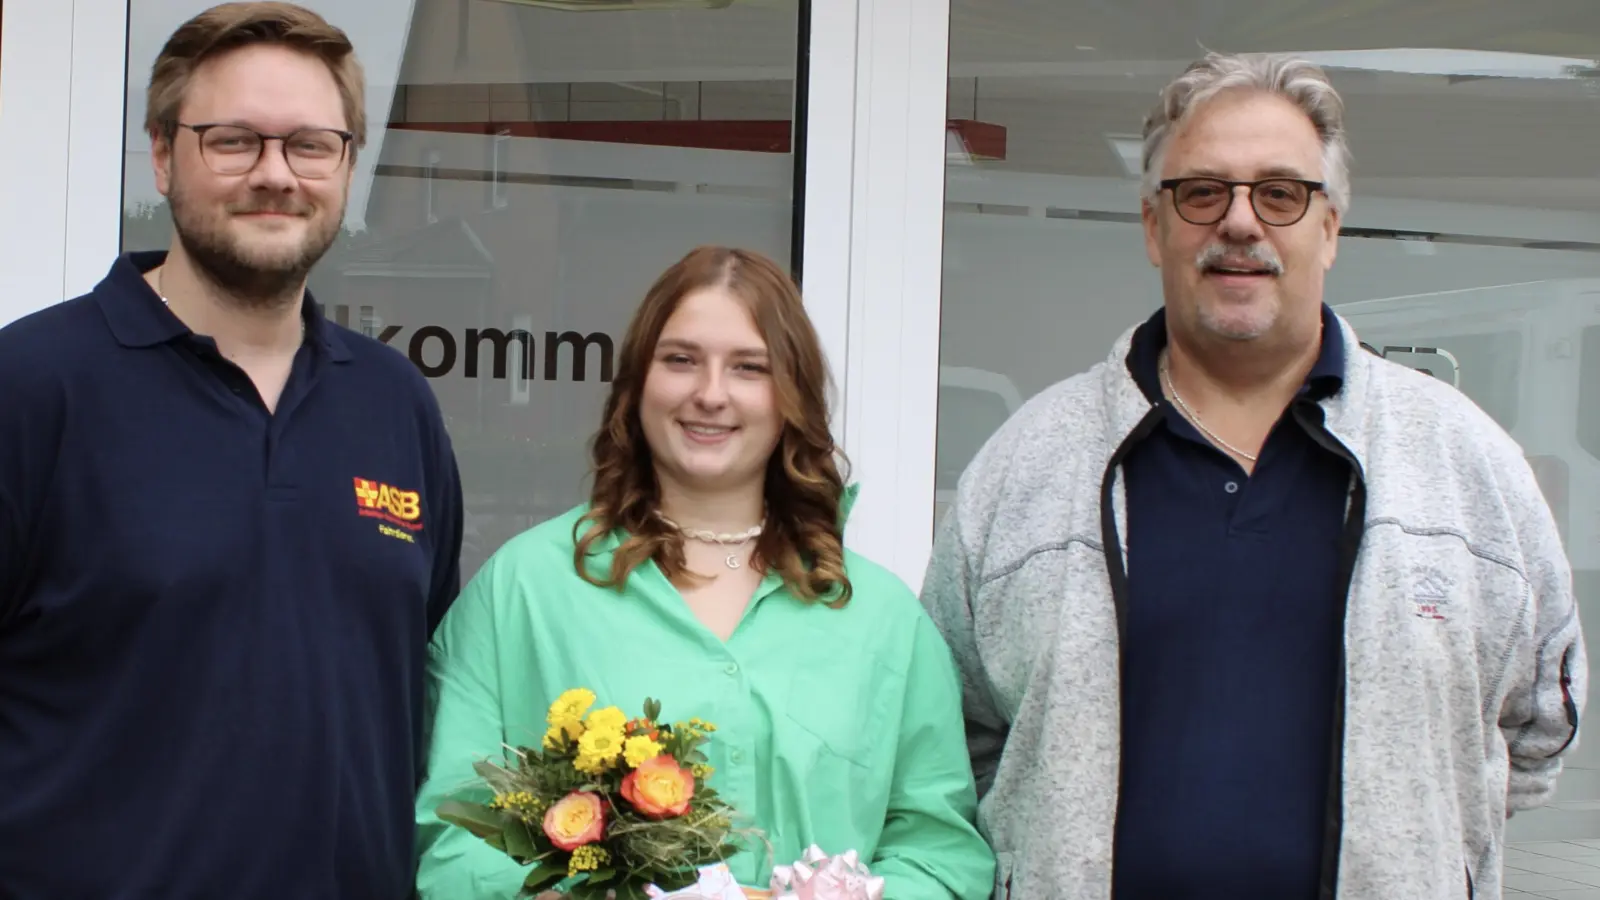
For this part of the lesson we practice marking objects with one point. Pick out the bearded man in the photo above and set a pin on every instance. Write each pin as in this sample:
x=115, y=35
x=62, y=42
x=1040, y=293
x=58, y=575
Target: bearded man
x=227, y=525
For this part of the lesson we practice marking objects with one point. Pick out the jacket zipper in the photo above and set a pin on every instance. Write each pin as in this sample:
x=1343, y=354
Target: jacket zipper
x=1309, y=415
x=1118, y=571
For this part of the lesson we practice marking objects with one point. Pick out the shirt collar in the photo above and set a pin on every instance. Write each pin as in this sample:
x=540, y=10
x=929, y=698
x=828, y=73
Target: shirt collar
x=1325, y=379
x=138, y=318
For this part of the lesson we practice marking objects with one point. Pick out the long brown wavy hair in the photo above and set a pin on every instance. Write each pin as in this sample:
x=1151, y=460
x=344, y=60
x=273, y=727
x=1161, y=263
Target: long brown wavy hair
x=803, y=537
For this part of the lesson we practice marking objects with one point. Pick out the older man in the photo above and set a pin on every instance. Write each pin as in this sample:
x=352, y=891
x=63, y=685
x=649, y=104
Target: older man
x=227, y=525
x=1243, y=611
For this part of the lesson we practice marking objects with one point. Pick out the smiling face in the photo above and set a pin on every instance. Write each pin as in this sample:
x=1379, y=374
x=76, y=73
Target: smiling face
x=258, y=233
x=708, y=408
x=1240, y=279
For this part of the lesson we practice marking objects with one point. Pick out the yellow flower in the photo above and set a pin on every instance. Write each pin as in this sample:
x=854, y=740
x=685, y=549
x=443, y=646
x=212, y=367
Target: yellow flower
x=640, y=748
x=607, y=719
x=586, y=859
x=572, y=730
x=520, y=803
x=702, y=772
x=598, y=749
x=570, y=706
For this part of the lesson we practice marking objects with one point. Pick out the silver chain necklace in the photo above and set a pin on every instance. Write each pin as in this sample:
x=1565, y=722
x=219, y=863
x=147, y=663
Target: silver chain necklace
x=736, y=539
x=1192, y=416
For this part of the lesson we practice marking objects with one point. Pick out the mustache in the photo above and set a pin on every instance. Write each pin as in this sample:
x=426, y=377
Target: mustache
x=1217, y=253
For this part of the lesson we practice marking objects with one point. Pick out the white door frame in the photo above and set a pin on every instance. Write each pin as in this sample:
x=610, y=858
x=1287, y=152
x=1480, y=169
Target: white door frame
x=61, y=73
x=874, y=234
x=874, y=203
x=35, y=131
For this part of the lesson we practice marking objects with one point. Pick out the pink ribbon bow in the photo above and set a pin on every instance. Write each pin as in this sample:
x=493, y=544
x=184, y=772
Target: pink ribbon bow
x=818, y=876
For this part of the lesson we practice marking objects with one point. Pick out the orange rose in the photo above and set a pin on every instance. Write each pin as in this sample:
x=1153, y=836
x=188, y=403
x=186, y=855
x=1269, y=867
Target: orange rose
x=659, y=788
x=575, y=820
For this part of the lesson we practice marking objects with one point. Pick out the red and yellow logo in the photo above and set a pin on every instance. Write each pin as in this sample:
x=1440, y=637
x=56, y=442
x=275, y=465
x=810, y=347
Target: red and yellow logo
x=377, y=500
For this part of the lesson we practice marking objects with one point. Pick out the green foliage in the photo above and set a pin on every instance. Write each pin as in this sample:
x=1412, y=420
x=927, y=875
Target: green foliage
x=541, y=878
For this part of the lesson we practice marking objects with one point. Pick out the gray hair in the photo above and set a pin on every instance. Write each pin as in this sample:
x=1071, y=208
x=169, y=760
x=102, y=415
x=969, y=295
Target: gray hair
x=1297, y=80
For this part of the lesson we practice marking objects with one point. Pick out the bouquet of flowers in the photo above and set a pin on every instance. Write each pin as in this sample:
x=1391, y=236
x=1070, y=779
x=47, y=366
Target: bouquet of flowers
x=606, y=806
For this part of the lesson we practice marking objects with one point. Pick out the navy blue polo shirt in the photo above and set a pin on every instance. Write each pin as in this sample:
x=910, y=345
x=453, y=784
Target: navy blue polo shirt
x=213, y=620
x=1235, y=622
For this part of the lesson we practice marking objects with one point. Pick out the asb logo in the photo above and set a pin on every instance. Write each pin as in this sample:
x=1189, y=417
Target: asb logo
x=377, y=500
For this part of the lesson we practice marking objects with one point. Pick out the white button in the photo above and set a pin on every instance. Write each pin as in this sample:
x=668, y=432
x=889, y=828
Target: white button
x=1231, y=487
x=731, y=668
x=736, y=755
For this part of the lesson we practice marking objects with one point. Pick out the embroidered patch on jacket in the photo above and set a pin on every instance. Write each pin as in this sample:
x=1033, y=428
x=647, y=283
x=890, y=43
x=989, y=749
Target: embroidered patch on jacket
x=1430, y=592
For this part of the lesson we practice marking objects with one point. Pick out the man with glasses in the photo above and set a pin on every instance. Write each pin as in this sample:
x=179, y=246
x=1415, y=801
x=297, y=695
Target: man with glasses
x=227, y=525
x=1243, y=611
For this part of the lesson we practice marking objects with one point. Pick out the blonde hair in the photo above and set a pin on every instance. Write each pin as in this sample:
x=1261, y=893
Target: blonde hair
x=231, y=26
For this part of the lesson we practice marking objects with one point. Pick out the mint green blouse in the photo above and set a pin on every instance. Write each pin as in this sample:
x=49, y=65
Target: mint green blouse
x=839, y=727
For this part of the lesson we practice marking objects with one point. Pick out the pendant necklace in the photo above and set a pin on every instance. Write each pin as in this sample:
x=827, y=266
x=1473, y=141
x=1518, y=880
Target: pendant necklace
x=734, y=539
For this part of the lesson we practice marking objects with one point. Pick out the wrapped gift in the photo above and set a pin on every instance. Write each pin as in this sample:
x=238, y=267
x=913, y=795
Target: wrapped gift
x=818, y=876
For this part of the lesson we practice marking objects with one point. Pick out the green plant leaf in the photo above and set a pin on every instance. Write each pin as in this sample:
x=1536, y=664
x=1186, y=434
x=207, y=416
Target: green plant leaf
x=542, y=876
x=566, y=885
x=652, y=709
x=601, y=876
x=474, y=817
x=488, y=771
x=520, y=843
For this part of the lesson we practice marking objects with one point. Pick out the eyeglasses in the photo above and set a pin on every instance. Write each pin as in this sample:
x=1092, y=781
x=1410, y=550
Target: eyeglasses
x=234, y=149
x=1277, y=201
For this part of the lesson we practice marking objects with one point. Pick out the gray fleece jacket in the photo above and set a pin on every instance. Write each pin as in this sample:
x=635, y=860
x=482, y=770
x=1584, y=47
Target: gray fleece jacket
x=1464, y=667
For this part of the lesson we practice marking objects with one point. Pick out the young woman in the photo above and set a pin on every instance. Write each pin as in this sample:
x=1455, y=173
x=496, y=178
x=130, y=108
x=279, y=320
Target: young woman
x=708, y=571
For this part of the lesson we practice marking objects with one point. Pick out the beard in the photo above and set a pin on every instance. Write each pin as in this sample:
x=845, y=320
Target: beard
x=257, y=277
